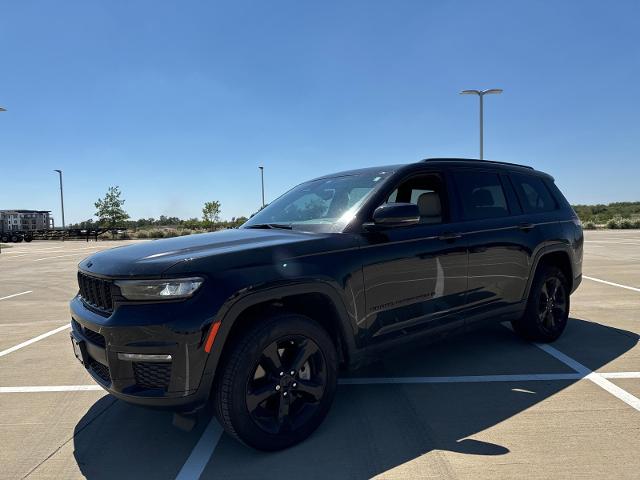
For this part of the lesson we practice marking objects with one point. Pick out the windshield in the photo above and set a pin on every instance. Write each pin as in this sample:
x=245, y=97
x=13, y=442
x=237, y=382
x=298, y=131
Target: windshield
x=324, y=205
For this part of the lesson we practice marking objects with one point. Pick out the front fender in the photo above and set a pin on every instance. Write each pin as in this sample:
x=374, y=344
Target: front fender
x=236, y=305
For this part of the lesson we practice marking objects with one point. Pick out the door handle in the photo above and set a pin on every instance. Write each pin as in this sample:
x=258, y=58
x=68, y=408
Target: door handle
x=450, y=236
x=526, y=226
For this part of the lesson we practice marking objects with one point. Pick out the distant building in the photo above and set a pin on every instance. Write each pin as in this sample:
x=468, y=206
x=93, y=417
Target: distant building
x=25, y=220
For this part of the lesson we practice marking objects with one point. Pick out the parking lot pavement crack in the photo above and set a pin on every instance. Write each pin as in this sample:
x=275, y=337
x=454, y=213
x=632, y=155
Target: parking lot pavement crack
x=75, y=434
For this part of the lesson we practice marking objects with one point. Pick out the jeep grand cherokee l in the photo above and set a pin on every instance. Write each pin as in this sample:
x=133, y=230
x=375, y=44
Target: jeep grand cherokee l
x=257, y=321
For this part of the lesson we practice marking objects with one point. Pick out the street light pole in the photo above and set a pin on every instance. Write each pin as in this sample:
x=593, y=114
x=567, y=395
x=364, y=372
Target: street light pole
x=262, y=181
x=481, y=94
x=2, y=110
x=61, y=200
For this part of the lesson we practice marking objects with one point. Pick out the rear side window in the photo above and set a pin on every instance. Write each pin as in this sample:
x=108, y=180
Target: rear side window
x=482, y=195
x=533, y=193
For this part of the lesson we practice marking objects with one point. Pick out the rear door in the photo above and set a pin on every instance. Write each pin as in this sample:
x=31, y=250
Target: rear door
x=500, y=244
x=415, y=276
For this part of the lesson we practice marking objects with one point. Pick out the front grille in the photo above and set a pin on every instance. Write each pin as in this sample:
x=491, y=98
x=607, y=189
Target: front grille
x=152, y=374
x=100, y=370
x=96, y=292
x=90, y=335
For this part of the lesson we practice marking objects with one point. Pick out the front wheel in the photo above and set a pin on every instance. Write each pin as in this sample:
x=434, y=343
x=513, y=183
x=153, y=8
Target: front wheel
x=547, y=310
x=276, y=386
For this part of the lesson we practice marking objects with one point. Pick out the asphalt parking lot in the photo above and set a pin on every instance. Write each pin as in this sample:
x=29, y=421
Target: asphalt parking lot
x=480, y=405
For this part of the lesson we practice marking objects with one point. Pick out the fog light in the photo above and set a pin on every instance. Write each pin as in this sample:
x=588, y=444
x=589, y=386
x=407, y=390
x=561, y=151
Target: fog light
x=141, y=357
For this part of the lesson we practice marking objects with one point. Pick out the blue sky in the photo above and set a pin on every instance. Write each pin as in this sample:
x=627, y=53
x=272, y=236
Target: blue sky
x=179, y=102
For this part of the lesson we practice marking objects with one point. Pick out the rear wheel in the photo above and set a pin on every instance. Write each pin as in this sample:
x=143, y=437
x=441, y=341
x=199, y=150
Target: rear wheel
x=547, y=311
x=277, y=385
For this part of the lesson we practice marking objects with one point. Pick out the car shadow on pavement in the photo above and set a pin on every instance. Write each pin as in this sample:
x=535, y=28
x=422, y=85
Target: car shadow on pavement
x=371, y=428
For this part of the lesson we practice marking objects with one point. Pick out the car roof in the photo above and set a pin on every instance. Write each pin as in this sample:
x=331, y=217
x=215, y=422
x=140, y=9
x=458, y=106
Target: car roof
x=439, y=162
x=476, y=162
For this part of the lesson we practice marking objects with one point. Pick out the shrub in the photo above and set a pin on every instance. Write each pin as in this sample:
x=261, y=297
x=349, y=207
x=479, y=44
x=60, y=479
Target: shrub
x=626, y=223
x=185, y=231
x=589, y=225
x=623, y=223
x=142, y=234
x=614, y=223
x=170, y=232
x=156, y=234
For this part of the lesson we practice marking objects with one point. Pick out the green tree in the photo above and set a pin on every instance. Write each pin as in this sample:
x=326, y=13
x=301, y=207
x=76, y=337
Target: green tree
x=109, y=209
x=211, y=212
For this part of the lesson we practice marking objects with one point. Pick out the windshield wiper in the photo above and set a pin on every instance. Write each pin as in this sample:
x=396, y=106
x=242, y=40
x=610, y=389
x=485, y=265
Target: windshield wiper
x=283, y=226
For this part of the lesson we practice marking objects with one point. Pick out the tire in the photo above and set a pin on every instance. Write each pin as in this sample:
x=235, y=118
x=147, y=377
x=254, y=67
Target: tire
x=547, y=310
x=28, y=238
x=4, y=239
x=256, y=397
x=16, y=238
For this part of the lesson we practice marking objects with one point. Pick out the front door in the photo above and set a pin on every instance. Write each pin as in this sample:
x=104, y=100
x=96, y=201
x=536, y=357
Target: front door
x=415, y=276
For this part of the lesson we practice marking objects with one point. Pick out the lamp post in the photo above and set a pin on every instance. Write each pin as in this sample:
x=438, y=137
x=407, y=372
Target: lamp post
x=2, y=110
x=61, y=200
x=262, y=181
x=481, y=94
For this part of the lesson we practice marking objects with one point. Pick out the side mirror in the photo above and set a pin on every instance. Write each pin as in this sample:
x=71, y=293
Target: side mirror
x=396, y=215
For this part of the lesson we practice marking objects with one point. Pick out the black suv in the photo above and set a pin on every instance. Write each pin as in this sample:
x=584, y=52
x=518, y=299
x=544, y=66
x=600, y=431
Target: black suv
x=257, y=321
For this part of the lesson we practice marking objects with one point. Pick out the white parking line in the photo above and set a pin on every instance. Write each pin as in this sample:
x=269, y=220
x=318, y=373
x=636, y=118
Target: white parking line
x=34, y=340
x=461, y=379
x=612, y=283
x=51, y=388
x=588, y=374
x=201, y=453
x=610, y=241
x=620, y=374
x=60, y=256
x=16, y=295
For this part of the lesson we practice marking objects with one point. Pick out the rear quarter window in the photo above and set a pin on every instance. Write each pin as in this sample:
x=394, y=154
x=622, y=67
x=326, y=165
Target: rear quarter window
x=533, y=193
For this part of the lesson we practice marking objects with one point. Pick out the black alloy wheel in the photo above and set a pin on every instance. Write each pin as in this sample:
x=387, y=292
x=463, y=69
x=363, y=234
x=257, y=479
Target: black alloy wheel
x=287, y=384
x=547, y=309
x=276, y=381
x=552, y=305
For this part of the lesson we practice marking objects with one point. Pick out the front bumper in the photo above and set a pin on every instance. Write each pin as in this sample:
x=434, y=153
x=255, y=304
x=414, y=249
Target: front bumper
x=181, y=384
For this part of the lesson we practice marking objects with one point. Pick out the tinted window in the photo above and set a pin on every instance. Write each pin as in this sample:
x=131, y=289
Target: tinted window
x=533, y=193
x=482, y=195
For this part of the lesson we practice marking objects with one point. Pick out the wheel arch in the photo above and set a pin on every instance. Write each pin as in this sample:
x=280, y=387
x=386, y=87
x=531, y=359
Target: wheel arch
x=558, y=255
x=317, y=300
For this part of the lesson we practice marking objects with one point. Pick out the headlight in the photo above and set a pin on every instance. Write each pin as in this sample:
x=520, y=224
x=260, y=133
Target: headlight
x=168, y=289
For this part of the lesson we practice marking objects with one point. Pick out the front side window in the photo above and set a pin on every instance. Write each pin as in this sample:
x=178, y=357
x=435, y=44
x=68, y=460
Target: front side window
x=427, y=192
x=481, y=194
x=323, y=205
x=533, y=193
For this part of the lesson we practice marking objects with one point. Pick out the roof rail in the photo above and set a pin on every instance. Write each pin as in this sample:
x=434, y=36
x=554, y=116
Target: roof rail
x=475, y=160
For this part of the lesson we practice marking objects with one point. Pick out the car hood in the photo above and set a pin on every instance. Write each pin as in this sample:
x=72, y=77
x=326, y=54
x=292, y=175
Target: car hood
x=153, y=258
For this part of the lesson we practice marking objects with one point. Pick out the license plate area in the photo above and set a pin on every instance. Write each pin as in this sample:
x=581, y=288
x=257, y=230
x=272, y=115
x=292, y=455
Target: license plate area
x=79, y=349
